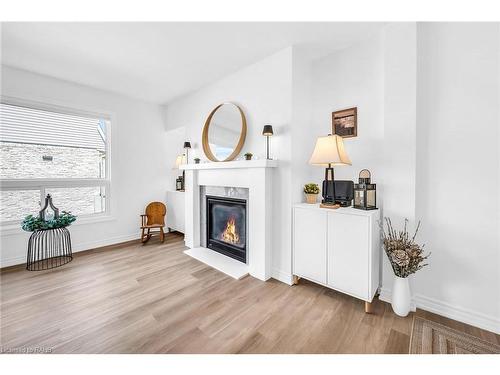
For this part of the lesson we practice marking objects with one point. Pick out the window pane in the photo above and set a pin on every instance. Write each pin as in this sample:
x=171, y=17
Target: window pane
x=16, y=205
x=80, y=200
x=43, y=144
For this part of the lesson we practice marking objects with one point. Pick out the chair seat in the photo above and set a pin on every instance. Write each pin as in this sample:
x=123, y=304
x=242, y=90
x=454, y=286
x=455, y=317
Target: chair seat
x=152, y=226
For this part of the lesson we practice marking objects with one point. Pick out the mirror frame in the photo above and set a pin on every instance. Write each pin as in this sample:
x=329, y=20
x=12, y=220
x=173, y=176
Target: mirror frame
x=204, y=136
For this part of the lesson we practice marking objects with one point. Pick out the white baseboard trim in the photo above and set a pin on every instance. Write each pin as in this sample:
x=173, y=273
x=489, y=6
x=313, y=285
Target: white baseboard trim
x=461, y=314
x=77, y=248
x=284, y=277
x=447, y=310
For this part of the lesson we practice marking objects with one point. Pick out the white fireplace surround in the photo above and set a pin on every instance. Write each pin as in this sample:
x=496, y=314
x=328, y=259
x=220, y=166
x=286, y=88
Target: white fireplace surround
x=256, y=176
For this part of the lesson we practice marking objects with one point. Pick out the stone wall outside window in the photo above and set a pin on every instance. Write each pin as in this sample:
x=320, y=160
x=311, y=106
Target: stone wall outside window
x=20, y=160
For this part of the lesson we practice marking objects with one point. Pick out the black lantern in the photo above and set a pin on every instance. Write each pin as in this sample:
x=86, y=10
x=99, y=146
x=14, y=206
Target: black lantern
x=365, y=193
x=46, y=213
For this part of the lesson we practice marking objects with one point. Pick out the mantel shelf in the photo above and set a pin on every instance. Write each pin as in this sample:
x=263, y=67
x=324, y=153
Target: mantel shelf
x=259, y=163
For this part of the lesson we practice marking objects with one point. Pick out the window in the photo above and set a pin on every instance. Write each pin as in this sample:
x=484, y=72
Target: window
x=52, y=151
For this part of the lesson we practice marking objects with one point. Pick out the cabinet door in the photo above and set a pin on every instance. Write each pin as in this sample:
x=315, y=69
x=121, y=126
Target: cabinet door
x=348, y=254
x=309, y=260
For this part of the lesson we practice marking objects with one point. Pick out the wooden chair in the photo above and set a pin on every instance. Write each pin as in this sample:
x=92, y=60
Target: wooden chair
x=154, y=218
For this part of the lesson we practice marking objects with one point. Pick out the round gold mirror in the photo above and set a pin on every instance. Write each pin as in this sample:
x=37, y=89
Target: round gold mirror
x=224, y=132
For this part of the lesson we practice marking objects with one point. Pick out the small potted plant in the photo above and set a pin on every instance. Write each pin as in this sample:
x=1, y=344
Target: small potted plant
x=311, y=191
x=406, y=257
x=248, y=156
x=197, y=160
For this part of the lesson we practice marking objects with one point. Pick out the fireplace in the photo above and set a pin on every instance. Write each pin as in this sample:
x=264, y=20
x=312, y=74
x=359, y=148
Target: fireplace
x=226, y=226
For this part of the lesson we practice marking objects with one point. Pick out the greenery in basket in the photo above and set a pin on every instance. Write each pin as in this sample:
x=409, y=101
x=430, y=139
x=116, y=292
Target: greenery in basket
x=405, y=255
x=248, y=155
x=311, y=188
x=32, y=223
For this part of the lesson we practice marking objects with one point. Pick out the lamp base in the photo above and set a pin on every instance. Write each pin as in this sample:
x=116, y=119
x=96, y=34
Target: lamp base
x=332, y=206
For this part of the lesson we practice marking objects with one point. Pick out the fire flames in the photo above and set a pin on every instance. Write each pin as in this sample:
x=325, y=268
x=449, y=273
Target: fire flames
x=230, y=234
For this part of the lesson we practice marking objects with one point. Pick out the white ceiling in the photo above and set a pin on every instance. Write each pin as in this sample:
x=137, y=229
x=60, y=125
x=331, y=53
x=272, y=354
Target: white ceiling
x=160, y=61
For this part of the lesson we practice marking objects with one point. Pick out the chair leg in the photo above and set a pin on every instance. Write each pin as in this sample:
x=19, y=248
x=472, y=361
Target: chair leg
x=162, y=235
x=142, y=236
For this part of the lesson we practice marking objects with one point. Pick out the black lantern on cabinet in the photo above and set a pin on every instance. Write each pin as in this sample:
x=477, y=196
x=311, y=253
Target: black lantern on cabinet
x=365, y=193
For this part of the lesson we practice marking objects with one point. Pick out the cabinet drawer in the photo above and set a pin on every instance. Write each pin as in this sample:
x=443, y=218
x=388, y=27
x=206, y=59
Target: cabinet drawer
x=348, y=254
x=310, y=239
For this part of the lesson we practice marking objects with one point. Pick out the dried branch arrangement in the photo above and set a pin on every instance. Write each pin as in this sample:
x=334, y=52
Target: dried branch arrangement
x=405, y=255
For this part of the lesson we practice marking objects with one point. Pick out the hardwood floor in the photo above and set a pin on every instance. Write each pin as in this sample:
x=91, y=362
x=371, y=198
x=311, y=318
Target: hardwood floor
x=155, y=299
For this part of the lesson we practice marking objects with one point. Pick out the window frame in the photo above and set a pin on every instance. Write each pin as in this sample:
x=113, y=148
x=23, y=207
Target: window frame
x=42, y=184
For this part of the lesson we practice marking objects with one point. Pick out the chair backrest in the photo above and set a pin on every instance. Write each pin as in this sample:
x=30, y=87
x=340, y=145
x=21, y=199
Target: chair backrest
x=155, y=212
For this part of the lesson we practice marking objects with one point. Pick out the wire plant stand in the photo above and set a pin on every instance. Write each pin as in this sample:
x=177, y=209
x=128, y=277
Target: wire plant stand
x=48, y=248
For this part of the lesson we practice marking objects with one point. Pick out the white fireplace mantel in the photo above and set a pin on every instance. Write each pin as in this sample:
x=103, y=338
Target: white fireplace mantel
x=256, y=176
x=259, y=163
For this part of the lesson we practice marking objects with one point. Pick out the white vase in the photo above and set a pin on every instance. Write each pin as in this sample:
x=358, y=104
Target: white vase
x=401, y=296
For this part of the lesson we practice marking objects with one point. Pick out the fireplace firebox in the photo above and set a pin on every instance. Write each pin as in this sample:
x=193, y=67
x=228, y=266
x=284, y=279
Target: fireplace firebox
x=226, y=226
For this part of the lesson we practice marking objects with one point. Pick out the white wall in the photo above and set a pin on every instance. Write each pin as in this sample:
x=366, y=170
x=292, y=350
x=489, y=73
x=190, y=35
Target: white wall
x=138, y=161
x=458, y=170
x=352, y=77
x=399, y=146
x=264, y=92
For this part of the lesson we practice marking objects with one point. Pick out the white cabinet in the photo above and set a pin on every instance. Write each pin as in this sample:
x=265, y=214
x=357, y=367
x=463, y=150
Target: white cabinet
x=310, y=241
x=338, y=248
x=175, y=210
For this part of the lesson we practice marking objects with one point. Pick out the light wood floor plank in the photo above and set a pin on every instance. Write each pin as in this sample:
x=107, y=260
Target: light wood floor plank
x=152, y=298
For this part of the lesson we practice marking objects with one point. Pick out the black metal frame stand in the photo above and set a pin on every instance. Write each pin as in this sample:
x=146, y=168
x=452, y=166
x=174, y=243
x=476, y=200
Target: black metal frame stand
x=48, y=248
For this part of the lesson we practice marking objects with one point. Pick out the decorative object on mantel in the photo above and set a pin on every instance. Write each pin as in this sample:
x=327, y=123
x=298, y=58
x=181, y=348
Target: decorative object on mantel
x=406, y=257
x=365, y=193
x=329, y=151
x=197, y=160
x=224, y=132
x=49, y=245
x=345, y=122
x=248, y=156
x=187, y=146
x=267, y=132
x=311, y=191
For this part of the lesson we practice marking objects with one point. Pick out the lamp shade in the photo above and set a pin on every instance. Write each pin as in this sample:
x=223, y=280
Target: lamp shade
x=268, y=130
x=187, y=144
x=179, y=161
x=329, y=150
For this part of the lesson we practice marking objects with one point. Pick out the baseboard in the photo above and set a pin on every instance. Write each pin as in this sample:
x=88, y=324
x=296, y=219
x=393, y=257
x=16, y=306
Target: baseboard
x=447, y=310
x=461, y=314
x=284, y=277
x=76, y=248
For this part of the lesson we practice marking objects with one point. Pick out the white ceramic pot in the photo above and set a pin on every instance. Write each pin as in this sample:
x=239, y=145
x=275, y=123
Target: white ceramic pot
x=401, y=296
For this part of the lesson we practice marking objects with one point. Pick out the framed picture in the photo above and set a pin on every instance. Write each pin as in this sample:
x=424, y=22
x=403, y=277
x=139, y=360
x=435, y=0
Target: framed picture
x=345, y=122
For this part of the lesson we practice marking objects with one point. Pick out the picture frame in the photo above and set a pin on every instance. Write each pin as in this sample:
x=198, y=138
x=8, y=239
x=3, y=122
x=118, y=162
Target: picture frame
x=345, y=122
